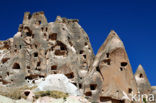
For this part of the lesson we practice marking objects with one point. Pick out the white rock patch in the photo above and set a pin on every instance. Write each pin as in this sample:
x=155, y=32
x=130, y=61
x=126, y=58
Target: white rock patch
x=58, y=82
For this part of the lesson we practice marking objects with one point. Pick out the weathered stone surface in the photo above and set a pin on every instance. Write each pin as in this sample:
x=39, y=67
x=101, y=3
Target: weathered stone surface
x=142, y=81
x=4, y=99
x=58, y=82
x=111, y=62
x=71, y=99
x=40, y=48
x=153, y=89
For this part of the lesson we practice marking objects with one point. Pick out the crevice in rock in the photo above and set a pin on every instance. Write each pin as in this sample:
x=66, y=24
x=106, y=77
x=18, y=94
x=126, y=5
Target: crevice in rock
x=70, y=75
x=89, y=93
x=4, y=60
x=109, y=99
x=54, y=67
x=27, y=93
x=36, y=54
x=130, y=90
x=93, y=86
x=53, y=36
x=123, y=64
x=107, y=61
x=141, y=75
x=16, y=66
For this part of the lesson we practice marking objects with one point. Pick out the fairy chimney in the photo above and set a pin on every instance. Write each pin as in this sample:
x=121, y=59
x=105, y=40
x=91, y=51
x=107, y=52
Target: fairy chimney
x=142, y=81
x=41, y=48
x=112, y=64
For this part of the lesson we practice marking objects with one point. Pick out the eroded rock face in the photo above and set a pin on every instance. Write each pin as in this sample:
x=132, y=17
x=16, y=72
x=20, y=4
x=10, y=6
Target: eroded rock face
x=40, y=48
x=153, y=89
x=112, y=64
x=142, y=81
x=70, y=99
x=4, y=99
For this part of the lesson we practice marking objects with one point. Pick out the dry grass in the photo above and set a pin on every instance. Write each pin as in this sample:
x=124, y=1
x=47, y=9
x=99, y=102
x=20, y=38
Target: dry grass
x=54, y=94
x=14, y=92
x=17, y=93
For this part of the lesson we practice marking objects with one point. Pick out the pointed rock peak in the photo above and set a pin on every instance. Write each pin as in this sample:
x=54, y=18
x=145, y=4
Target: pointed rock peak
x=59, y=19
x=140, y=72
x=142, y=80
x=140, y=69
x=113, y=33
x=113, y=65
x=141, y=77
x=112, y=42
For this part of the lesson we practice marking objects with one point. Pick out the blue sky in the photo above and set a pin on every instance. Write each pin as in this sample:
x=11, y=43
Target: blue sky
x=134, y=21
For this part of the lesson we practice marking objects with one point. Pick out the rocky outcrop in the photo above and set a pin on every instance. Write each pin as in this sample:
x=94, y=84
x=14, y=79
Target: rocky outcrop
x=71, y=99
x=112, y=64
x=47, y=56
x=40, y=48
x=153, y=90
x=4, y=99
x=142, y=81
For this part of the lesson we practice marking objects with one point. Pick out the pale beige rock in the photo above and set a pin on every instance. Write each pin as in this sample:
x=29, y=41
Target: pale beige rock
x=29, y=95
x=153, y=89
x=4, y=99
x=71, y=99
x=113, y=65
x=142, y=81
x=40, y=48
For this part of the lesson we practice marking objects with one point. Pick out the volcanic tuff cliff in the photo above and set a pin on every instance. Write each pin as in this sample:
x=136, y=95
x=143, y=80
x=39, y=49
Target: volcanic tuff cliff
x=40, y=48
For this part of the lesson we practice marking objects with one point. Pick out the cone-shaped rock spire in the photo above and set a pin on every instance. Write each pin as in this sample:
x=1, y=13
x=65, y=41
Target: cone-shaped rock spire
x=113, y=41
x=112, y=63
x=142, y=80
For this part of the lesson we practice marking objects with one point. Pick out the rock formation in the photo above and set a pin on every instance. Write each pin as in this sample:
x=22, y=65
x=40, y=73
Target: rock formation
x=41, y=50
x=70, y=99
x=142, y=81
x=58, y=82
x=112, y=63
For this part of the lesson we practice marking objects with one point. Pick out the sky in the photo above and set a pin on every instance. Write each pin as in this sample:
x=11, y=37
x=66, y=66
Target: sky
x=133, y=20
